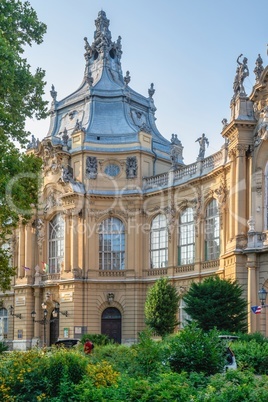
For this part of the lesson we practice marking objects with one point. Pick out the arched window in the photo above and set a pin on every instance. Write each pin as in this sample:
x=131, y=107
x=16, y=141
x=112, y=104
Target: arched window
x=212, y=227
x=3, y=323
x=56, y=244
x=159, y=242
x=112, y=244
x=186, y=250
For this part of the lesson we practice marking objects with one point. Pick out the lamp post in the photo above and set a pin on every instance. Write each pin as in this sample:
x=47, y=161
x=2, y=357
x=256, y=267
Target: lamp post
x=43, y=321
x=262, y=293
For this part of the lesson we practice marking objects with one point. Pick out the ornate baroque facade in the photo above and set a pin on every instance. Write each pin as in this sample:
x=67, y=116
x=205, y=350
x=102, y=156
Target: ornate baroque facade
x=119, y=208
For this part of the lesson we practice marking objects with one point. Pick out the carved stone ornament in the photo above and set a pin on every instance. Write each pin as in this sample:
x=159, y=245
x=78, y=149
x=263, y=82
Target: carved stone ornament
x=91, y=167
x=251, y=224
x=51, y=161
x=127, y=78
x=261, y=135
x=221, y=193
x=138, y=117
x=67, y=174
x=170, y=213
x=131, y=167
x=40, y=232
x=52, y=201
x=34, y=143
x=259, y=68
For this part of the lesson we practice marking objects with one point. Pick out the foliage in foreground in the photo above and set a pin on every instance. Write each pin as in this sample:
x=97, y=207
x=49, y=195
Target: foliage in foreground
x=130, y=373
x=217, y=303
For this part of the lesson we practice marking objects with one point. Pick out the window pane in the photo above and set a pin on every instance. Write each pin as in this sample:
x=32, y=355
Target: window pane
x=111, y=244
x=159, y=242
x=56, y=244
x=212, y=226
x=186, y=237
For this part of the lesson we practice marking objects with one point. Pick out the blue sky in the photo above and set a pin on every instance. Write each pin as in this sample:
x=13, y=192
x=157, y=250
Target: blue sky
x=187, y=48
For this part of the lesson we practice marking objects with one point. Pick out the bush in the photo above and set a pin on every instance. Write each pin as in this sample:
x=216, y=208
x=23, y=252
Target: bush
x=97, y=339
x=193, y=349
x=252, y=355
x=3, y=347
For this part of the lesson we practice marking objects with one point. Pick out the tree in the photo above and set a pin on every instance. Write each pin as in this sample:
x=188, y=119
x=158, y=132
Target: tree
x=21, y=94
x=161, y=307
x=20, y=91
x=217, y=303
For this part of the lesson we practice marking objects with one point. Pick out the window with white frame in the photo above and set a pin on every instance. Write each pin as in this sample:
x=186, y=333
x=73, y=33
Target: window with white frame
x=212, y=231
x=3, y=323
x=186, y=249
x=112, y=244
x=184, y=318
x=56, y=244
x=159, y=242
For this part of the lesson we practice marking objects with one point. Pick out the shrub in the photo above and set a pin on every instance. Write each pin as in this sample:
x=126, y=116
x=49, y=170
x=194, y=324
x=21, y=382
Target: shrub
x=97, y=339
x=252, y=355
x=3, y=347
x=193, y=349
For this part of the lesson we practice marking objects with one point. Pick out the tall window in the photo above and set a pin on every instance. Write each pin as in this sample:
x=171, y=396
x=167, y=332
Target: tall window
x=159, y=242
x=186, y=252
x=112, y=244
x=56, y=244
x=3, y=323
x=212, y=231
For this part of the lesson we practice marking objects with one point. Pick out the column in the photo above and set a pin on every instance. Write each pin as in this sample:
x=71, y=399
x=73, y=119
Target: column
x=240, y=192
x=74, y=242
x=66, y=243
x=21, y=259
x=232, y=195
x=252, y=293
x=29, y=251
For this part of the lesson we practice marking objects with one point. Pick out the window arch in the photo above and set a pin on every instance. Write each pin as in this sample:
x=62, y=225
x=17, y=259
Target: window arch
x=3, y=323
x=112, y=244
x=159, y=242
x=186, y=249
x=56, y=244
x=212, y=227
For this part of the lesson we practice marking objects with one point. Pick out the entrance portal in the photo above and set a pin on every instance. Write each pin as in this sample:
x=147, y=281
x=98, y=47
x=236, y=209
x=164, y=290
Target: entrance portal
x=111, y=323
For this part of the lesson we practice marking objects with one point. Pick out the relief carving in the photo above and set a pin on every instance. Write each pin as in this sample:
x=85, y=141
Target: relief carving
x=131, y=167
x=91, y=167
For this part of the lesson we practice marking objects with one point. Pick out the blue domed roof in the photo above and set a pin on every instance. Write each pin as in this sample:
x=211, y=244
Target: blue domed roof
x=105, y=106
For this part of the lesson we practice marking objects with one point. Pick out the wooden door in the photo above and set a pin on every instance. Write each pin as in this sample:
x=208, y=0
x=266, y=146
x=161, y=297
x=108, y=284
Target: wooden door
x=111, y=323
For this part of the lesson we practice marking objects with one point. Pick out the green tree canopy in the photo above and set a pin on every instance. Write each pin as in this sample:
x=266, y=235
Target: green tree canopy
x=217, y=303
x=21, y=94
x=21, y=91
x=161, y=307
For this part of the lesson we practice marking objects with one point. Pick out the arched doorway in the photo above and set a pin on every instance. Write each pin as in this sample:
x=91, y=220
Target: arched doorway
x=111, y=322
x=54, y=330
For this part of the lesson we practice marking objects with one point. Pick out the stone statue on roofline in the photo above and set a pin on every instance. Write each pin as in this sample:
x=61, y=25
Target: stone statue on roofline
x=203, y=142
x=241, y=73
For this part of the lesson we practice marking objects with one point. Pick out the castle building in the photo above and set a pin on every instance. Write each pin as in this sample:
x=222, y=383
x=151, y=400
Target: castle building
x=119, y=209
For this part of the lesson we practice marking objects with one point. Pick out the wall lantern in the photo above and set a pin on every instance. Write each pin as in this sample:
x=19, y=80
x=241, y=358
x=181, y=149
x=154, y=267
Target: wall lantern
x=57, y=311
x=262, y=296
x=11, y=312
